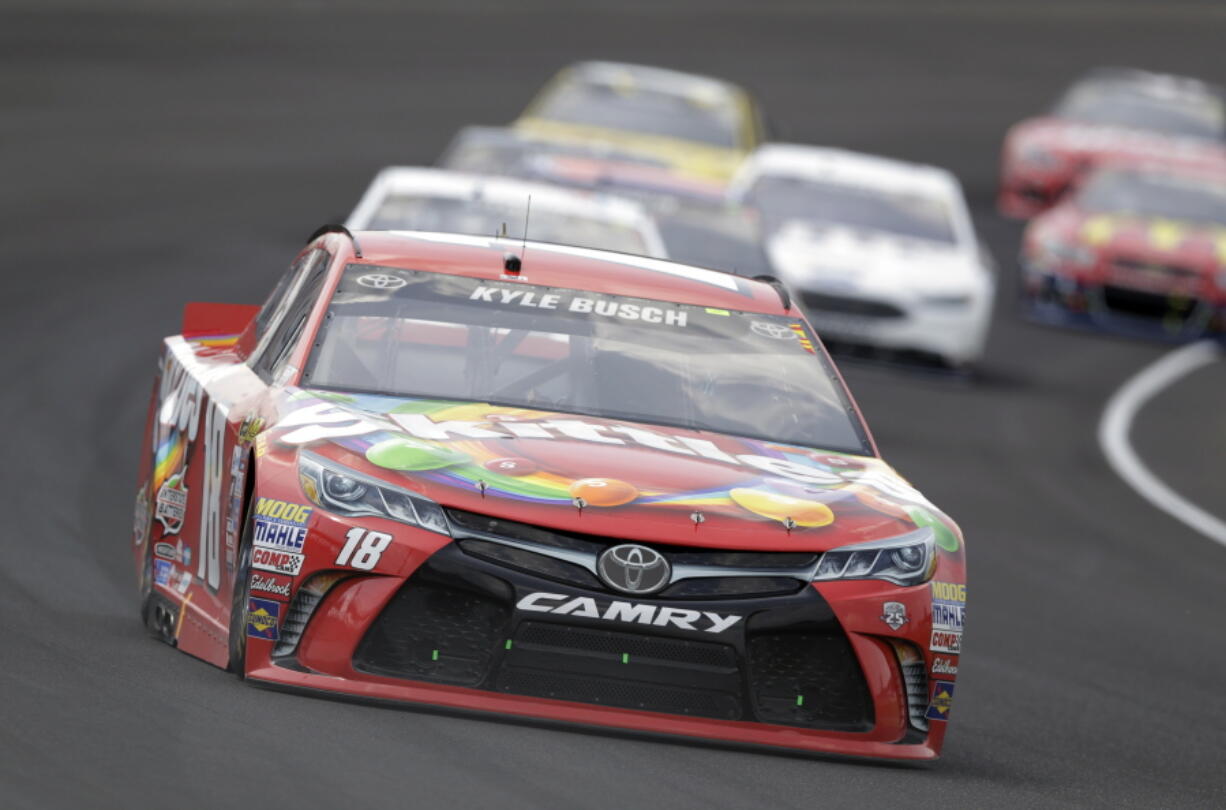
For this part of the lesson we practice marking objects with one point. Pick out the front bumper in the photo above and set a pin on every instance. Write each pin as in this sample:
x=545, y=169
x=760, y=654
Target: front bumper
x=1053, y=298
x=954, y=334
x=788, y=674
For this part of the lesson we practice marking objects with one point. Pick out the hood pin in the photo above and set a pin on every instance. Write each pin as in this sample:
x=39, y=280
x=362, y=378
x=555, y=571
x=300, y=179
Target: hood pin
x=579, y=504
x=481, y=485
x=697, y=517
x=789, y=524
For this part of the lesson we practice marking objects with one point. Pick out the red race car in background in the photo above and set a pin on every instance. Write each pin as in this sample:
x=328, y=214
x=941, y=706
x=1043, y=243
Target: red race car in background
x=567, y=485
x=1111, y=113
x=1139, y=249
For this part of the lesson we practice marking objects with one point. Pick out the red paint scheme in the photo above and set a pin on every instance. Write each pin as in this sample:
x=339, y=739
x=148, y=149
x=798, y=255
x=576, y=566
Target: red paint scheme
x=217, y=462
x=1044, y=157
x=1127, y=251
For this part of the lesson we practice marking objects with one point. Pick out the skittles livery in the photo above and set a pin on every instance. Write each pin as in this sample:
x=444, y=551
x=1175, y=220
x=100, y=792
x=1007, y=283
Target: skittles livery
x=576, y=486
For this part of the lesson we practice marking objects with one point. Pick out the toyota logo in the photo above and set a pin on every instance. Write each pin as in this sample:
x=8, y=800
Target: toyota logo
x=774, y=331
x=381, y=281
x=634, y=569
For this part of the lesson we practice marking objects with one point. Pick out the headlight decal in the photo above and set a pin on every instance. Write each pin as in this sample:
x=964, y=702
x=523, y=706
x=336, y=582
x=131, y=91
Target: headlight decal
x=343, y=491
x=908, y=559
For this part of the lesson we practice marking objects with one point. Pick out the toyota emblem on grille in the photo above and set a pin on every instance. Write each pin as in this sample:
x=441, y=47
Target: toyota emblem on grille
x=634, y=569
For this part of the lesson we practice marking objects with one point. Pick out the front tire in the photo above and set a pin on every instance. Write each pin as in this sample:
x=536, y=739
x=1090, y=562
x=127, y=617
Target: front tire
x=238, y=604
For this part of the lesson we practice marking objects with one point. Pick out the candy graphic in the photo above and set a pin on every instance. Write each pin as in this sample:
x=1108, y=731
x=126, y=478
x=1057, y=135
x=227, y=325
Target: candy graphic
x=512, y=465
x=403, y=453
x=780, y=507
x=603, y=491
x=944, y=537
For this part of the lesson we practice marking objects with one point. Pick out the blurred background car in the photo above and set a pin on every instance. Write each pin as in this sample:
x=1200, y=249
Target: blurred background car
x=880, y=252
x=426, y=199
x=698, y=124
x=1138, y=249
x=696, y=220
x=1109, y=112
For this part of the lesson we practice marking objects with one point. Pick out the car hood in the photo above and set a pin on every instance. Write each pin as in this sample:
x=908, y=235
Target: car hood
x=609, y=477
x=1195, y=246
x=836, y=259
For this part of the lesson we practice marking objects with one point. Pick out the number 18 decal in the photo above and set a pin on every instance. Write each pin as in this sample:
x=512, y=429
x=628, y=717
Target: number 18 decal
x=363, y=548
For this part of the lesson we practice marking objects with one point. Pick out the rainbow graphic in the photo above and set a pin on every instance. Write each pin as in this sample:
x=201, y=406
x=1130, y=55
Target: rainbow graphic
x=168, y=458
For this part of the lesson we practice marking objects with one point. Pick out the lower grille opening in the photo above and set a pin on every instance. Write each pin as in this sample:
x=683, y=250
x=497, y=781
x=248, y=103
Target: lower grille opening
x=454, y=622
x=808, y=679
x=823, y=302
x=1151, y=305
x=433, y=632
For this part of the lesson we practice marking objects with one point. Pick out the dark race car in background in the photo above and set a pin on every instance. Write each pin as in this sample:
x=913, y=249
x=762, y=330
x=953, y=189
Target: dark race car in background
x=1138, y=249
x=569, y=485
x=1111, y=113
x=698, y=223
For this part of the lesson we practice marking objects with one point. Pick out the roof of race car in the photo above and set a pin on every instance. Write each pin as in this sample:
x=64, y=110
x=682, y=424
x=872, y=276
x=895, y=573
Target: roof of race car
x=844, y=166
x=1146, y=80
x=568, y=267
x=707, y=89
x=464, y=186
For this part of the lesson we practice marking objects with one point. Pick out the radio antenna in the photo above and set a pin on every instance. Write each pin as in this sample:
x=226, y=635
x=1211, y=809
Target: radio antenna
x=523, y=250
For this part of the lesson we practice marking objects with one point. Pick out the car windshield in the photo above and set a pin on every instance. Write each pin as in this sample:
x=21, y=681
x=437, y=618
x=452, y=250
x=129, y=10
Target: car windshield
x=641, y=109
x=1160, y=108
x=487, y=217
x=784, y=199
x=1156, y=194
x=419, y=334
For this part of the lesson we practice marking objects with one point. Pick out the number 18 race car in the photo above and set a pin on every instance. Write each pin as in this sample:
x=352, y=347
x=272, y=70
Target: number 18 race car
x=567, y=485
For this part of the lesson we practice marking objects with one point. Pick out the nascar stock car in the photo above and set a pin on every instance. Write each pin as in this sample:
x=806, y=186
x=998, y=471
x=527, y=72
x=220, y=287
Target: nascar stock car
x=1138, y=249
x=701, y=125
x=570, y=485
x=425, y=199
x=882, y=253
x=1111, y=113
x=696, y=220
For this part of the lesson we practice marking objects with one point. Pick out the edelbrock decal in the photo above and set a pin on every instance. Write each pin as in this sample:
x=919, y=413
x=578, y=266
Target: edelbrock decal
x=618, y=611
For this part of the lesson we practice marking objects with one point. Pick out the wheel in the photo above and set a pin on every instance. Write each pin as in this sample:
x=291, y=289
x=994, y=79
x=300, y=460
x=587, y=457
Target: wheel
x=239, y=601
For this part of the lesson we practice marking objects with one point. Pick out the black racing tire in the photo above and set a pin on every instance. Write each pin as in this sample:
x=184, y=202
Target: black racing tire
x=238, y=603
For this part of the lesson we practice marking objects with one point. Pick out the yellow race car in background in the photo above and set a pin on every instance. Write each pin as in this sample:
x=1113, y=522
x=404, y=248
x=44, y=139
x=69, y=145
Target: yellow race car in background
x=697, y=124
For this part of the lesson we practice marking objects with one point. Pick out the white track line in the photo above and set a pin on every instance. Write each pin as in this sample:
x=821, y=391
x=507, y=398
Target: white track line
x=1116, y=426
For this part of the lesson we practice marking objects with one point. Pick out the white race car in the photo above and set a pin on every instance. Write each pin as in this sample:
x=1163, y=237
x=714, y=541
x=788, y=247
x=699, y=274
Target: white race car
x=421, y=199
x=882, y=253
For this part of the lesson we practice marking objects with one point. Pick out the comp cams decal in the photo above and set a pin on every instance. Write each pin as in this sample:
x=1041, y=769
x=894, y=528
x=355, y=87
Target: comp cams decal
x=631, y=612
x=278, y=562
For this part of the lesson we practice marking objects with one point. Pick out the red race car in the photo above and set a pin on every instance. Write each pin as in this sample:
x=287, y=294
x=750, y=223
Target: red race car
x=1137, y=249
x=1110, y=113
x=566, y=485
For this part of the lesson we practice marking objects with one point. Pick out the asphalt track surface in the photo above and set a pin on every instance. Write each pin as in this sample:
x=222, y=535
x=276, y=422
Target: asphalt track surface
x=152, y=157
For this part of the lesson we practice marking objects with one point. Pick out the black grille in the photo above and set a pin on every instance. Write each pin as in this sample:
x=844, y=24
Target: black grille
x=1149, y=305
x=432, y=632
x=808, y=679
x=470, y=528
x=785, y=661
x=1170, y=271
x=732, y=587
x=823, y=302
x=627, y=670
x=530, y=562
